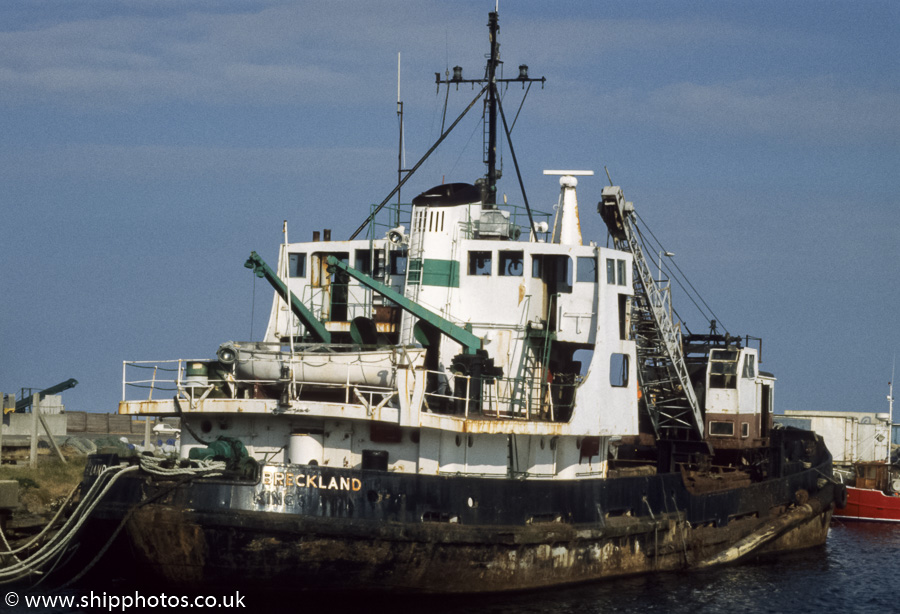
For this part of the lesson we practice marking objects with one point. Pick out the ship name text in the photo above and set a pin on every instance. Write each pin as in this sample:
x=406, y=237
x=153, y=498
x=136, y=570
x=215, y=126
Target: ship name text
x=286, y=479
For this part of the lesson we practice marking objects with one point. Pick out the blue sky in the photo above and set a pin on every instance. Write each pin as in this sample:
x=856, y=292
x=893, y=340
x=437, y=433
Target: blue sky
x=148, y=147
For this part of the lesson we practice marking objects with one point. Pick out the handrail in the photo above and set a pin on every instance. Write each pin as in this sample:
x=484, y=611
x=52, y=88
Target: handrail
x=498, y=401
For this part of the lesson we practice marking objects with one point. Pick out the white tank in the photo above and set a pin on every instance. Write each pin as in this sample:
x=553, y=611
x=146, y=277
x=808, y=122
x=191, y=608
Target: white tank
x=306, y=449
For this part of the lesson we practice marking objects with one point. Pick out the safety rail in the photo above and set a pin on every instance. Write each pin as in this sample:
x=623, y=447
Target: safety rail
x=230, y=387
x=401, y=215
x=154, y=383
x=540, y=402
x=449, y=393
x=398, y=214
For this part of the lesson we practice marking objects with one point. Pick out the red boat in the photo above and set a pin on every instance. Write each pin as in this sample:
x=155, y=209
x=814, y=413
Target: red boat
x=874, y=494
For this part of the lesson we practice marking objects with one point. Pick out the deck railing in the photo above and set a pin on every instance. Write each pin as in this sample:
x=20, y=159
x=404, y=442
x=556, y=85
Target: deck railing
x=449, y=393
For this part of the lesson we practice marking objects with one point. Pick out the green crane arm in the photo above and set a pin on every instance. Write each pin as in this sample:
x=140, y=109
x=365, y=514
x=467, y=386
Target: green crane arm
x=469, y=341
x=313, y=325
x=22, y=404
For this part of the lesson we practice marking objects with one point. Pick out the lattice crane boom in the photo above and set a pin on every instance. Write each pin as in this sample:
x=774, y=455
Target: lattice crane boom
x=662, y=371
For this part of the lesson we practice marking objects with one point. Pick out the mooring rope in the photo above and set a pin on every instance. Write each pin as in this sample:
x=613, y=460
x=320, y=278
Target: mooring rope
x=209, y=468
x=187, y=474
x=47, y=556
x=34, y=563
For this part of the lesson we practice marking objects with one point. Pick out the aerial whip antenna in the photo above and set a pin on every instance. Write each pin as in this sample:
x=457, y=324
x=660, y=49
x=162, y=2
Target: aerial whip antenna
x=400, y=146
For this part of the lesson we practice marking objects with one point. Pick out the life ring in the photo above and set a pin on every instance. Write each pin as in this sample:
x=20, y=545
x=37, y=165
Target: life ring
x=840, y=496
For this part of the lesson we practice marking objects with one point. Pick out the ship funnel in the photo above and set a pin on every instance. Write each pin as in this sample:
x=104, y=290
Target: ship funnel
x=567, y=226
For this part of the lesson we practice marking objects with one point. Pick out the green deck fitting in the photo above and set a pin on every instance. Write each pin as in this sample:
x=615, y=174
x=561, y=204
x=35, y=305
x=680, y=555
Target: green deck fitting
x=465, y=338
x=312, y=324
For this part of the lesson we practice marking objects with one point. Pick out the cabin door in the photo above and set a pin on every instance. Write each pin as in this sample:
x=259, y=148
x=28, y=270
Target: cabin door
x=555, y=272
x=765, y=412
x=331, y=287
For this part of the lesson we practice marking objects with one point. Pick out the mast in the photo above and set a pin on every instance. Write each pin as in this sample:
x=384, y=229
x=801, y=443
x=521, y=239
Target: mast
x=490, y=81
x=890, y=399
x=400, y=169
x=490, y=197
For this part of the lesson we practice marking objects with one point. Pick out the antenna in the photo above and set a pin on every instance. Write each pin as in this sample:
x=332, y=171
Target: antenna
x=491, y=82
x=400, y=165
x=891, y=390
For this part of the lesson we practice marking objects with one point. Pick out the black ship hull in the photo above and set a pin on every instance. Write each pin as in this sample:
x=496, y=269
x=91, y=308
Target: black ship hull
x=319, y=528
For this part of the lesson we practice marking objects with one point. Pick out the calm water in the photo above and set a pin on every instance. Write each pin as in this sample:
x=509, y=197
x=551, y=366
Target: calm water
x=854, y=572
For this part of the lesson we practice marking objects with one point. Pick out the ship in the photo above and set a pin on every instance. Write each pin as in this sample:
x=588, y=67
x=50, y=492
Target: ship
x=463, y=397
x=873, y=486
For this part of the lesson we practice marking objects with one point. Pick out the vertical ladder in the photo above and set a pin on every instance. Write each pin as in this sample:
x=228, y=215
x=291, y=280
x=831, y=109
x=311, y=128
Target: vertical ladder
x=414, y=263
x=530, y=386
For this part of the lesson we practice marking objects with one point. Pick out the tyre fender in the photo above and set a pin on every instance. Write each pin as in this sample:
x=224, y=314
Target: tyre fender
x=840, y=496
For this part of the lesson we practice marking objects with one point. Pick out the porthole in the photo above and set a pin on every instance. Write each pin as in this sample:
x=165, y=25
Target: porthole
x=458, y=441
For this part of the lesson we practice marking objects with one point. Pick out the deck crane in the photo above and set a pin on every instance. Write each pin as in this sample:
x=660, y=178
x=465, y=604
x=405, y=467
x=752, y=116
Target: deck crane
x=662, y=371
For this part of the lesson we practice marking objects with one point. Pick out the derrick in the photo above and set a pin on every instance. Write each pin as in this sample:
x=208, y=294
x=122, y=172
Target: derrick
x=662, y=372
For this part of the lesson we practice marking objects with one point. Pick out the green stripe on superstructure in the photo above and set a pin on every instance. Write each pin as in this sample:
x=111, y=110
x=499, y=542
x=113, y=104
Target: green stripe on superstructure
x=444, y=273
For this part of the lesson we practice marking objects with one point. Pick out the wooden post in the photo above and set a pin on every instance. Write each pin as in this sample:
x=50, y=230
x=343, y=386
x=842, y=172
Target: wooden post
x=35, y=408
x=147, y=432
x=50, y=437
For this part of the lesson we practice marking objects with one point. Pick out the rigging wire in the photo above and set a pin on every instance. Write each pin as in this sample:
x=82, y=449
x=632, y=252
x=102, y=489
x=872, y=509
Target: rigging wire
x=521, y=104
x=464, y=149
x=418, y=164
x=644, y=245
x=446, y=75
x=709, y=314
x=516, y=165
x=446, y=101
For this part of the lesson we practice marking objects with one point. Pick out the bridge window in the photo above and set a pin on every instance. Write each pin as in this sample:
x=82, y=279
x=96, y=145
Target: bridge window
x=618, y=370
x=587, y=270
x=511, y=264
x=616, y=272
x=297, y=265
x=480, y=263
x=749, y=366
x=723, y=368
x=364, y=262
x=721, y=429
